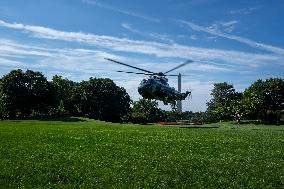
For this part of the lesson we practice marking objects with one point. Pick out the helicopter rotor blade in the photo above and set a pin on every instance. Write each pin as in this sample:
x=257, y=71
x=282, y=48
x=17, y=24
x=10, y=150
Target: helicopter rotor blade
x=172, y=75
x=175, y=75
x=139, y=73
x=181, y=65
x=185, y=75
x=128, y=65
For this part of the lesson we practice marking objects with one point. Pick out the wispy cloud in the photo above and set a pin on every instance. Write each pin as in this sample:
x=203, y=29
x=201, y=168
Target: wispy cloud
x=9, y=63
x=210, y=68
x=193, y=37
x=68, y=59
x=84, y=61
x=243, y=11
x=224, y=26
x=109, y=43
x=129, y=28
x=120, y=10
x=157, y=36
x=10, y=49
x=243, y=40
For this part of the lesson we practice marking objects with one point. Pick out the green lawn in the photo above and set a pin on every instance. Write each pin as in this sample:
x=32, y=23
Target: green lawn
x=77, y=153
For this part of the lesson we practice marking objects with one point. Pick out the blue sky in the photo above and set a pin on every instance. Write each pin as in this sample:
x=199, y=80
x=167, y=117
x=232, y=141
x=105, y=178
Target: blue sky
x=233, y=41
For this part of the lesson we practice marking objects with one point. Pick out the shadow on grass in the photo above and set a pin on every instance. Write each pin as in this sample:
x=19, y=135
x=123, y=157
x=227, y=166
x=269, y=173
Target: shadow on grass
x=199, y=127
x=259, y=122
x=63, y=119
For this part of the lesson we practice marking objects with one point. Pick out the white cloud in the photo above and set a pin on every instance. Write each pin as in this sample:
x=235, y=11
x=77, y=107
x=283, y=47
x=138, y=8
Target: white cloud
x=243, y=40
x=243, y=11
x=193, y=37
x=210, y=68
x=119, y=10
x=66, y=59
x=109, y=43
x=129, y=27
x=9, y=63
x=10, y=49
x=228, y=26
x=220, y=26
x=157, y=36
x=229, y=23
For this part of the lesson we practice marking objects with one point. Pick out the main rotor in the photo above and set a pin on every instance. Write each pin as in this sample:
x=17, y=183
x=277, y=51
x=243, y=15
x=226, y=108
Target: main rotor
x=147, y=72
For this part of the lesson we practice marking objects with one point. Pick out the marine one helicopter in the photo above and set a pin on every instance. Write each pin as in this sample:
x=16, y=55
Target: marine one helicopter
x=156, y=86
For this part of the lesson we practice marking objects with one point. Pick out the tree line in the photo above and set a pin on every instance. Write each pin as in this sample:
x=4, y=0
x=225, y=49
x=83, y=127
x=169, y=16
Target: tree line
x=30, y=95
x=263, y=101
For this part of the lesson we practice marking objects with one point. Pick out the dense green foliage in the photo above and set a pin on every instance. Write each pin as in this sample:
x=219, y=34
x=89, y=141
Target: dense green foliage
x=102, y=99
x=64, y=89
x=75, y=153
x=29, y=95
x=263, y=100
x=146, y=111
x=220, y=106
x=24, y=93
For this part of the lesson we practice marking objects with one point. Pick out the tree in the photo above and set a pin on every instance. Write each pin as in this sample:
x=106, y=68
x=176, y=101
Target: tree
x=146, y=111
x=64, y=89
x=264, y=100
x=220, y=106
x=25, y=92
x=101, y=99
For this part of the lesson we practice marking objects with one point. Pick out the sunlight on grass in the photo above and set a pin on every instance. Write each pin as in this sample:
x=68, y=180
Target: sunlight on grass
x=58, y=154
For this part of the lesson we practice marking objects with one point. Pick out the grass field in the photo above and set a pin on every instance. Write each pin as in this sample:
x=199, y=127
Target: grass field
x=76, y=153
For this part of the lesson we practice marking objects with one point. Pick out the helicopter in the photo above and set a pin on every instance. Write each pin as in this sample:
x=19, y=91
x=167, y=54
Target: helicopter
x=156, y=86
